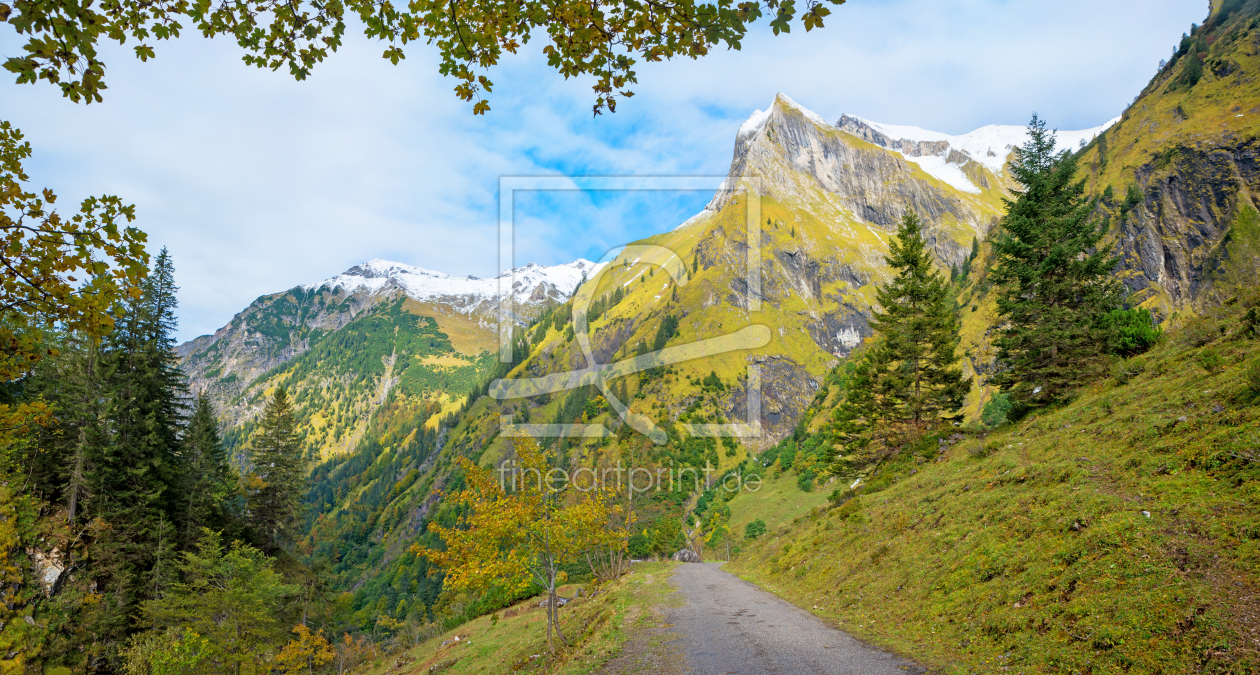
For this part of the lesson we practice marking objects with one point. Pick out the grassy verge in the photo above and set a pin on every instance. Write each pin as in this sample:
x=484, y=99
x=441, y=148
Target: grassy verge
x=1120, y=533
x=515, y=640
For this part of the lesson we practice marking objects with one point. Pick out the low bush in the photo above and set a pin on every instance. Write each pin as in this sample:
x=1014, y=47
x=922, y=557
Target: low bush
x=1211, y=360
x=1251, y=377
x=995, y=411
x=1133, y=331
x=755, y=529
x=1126, y=370
x=1200, y=331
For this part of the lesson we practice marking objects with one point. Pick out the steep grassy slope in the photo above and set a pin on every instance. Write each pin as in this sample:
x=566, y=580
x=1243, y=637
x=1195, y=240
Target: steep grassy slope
x=1118, y=534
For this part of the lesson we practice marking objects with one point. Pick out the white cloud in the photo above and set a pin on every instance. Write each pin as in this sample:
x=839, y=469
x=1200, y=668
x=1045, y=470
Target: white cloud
x=258, y=183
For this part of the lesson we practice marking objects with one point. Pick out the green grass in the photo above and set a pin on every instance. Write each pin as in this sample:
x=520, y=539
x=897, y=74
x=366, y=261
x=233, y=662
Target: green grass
x=777, y=502
x=515, y=639
x=1117, y=534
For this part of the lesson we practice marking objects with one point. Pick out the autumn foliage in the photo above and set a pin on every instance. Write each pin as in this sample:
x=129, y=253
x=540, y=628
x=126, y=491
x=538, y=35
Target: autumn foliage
x=516, y=534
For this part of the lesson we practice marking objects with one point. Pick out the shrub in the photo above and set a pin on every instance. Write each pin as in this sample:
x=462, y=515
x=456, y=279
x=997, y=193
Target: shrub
x=982, y=449
x=1211, y=360
x=851, y=506
x=1133, y=331
x=1200, y=331
x=1127, y=370
x=1252, y=377
x=1251, y=323
x=787, y=455
x=994, y=413
x=755, y=529
x=805, y=481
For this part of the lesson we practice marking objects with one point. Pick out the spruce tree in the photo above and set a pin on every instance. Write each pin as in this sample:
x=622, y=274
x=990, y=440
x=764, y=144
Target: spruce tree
x=73, y=384
x=276, y=481
x=208, y=479
x=1054, y=281
x=919, y=329
x=135, y=474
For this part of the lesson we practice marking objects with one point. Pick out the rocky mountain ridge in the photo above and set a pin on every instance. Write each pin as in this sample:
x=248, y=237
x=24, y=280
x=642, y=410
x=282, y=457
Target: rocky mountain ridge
x=277, y=332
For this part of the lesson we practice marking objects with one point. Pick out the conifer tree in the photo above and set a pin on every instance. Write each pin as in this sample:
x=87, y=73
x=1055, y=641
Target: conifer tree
x=134, y=477
x=856, y=415
x=276, y=481
x=919, y=329
x=1053, y=279
x=208, y=476
x=73, y=383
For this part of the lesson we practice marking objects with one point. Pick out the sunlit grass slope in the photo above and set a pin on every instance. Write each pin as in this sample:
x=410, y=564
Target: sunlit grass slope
x=776, y=503
x=1120, y=533
x=515, y=639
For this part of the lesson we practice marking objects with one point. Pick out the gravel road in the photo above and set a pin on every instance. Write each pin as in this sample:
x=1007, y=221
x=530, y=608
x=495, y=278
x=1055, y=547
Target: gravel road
x=729, y=626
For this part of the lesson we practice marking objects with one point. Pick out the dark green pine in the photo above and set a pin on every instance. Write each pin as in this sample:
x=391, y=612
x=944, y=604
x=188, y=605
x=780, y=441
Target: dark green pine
x=208, y=475
x=276, y=482
x=918, y=327
x=1054, y=281
x=135, y=477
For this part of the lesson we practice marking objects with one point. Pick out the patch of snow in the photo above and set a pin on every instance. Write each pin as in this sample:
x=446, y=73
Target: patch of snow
x=989, y=145
x=418, y=283
x=951, y=174
x=753, y=124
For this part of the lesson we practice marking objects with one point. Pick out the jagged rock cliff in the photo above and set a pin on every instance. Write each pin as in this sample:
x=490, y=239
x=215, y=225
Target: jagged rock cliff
x=850, y=173
x=1179, y=173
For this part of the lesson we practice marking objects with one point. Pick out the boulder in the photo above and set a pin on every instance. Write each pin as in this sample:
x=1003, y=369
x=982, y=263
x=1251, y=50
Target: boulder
x=686, y=555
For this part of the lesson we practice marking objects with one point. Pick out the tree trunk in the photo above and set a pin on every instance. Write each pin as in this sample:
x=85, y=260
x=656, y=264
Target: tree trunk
x=555, y=613
x=551, y=609
x=76, y=478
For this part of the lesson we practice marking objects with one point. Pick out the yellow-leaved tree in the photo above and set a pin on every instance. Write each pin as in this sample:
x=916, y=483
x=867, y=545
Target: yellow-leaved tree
x=519, y=527
x=305, y=653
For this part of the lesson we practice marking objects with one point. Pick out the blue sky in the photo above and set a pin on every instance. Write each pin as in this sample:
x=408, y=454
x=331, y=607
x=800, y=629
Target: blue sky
x=257, y=183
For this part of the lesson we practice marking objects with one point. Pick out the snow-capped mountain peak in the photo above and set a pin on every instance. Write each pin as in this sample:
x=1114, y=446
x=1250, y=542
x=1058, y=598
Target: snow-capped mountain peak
x=530, y=282
x=757, y=120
